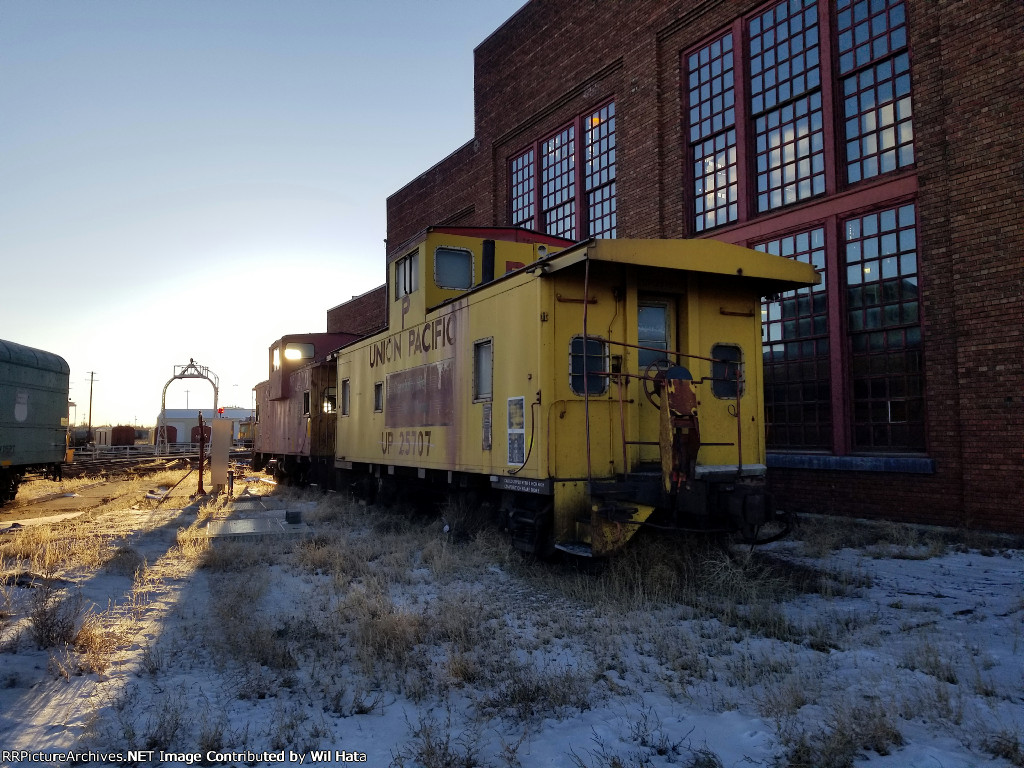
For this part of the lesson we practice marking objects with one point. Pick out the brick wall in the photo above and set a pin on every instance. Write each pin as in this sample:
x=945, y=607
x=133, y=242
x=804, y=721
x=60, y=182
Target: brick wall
x=362, y=315
x=556, y=59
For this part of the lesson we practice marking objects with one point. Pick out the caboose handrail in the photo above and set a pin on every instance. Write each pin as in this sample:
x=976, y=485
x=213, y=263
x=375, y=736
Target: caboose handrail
x=620, y=376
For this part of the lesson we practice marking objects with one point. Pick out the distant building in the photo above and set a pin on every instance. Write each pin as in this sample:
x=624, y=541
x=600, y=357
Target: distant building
x=180, y=421
x=881, y=141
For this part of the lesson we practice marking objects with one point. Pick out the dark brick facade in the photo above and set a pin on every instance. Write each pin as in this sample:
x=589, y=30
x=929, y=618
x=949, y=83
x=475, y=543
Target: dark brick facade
x=362, y=315
x=556, y=59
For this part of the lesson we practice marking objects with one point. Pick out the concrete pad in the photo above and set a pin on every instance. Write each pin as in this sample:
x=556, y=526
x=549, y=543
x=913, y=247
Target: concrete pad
x=255, y=528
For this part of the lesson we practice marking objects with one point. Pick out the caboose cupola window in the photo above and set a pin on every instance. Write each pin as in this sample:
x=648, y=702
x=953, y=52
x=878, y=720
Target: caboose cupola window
x=453, y=268
x=296, y=351
x=406, y=280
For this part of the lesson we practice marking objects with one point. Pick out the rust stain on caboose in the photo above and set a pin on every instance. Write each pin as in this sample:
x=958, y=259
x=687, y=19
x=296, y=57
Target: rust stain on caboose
x=421, y=396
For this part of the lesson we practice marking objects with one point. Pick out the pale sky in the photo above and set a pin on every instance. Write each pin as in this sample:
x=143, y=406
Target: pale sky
x=196, y=178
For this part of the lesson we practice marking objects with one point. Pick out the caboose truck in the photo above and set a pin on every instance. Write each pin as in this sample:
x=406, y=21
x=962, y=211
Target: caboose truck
x=585, y=390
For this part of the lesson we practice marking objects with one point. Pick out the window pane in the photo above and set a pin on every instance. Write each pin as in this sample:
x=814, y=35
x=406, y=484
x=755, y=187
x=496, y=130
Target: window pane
x=599, y=171
x=296, y=351
x=453, y=268
x=886, y=369
x=483, y=371
x=713, y=135
x=521, y=179
x=726, y=370
x=797, y=388
x=595, y=382
x=558, y=184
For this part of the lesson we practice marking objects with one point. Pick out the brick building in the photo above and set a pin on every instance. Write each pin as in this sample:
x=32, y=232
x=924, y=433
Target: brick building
x=881, y=140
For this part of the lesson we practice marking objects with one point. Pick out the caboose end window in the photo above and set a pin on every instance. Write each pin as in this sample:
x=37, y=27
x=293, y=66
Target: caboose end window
x=726, y=371
x=594, y=361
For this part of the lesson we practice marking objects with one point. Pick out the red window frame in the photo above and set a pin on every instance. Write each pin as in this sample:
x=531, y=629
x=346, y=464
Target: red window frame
x=851, y=409
x=565, y=183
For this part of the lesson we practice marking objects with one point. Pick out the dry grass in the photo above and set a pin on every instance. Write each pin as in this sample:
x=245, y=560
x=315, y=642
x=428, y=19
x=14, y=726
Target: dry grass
x=389, y=605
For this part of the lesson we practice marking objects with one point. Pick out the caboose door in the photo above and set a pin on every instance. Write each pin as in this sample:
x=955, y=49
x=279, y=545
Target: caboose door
x=655, y=334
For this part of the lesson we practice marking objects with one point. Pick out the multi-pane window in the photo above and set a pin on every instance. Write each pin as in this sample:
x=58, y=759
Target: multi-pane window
x=521, y=176
x=785, y=103
x=565, y=184
x=798, y=100
x=875, y=69
x=588, y=366
x=797, y=382
x=883, y=323
x=599, y=173
x=558, y=183
x=713, y=134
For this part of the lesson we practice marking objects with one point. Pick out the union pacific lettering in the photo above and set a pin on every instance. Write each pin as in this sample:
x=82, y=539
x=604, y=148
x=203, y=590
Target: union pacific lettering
x=436, y=334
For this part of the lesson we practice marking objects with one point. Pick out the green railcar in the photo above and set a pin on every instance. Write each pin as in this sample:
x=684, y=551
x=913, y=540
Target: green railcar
x=33, y=414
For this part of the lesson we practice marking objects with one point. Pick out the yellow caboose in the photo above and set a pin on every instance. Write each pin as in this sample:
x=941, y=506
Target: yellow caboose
x=584, y=389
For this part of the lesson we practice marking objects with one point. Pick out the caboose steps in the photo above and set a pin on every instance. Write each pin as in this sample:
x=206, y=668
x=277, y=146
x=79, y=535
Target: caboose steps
x=576, y=548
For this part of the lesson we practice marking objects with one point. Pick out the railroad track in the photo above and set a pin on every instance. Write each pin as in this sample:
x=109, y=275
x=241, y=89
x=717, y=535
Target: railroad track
x=108, y=465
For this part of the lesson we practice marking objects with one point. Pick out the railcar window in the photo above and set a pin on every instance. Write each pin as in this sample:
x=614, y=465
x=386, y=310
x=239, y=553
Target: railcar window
x=588, y=366
x=726, y=367
x=406, y=280
x=652, y=331
x=296, y=351
x=330, y=399
x=277, y=359
x=305, y=403
x=346, y=394
x=483, y=370
x=453, y=268
x=378, y=396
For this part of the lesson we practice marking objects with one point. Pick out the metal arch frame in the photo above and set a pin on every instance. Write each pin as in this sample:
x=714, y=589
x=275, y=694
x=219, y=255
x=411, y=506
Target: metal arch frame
x=191, y=371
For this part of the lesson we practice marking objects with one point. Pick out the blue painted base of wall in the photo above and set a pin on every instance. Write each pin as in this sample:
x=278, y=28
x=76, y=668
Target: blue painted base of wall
x=905, y=464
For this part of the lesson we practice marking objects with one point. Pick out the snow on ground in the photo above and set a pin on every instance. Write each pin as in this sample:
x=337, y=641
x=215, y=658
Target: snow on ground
x=373, y=635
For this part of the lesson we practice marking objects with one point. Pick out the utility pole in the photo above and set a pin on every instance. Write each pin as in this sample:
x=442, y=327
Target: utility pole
x=88, y=434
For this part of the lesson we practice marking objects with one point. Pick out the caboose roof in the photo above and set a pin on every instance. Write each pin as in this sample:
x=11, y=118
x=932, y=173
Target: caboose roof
x=30, y=357
x=775, y=273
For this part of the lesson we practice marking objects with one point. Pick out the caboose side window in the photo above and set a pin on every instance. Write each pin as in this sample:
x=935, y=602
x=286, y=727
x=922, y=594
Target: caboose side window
x=305, y=403
x=593, y=361
x=406, y=280
x=453, y=268
x=378, y=396
x=483, y=370
x=346, y=394
x=726, y=369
